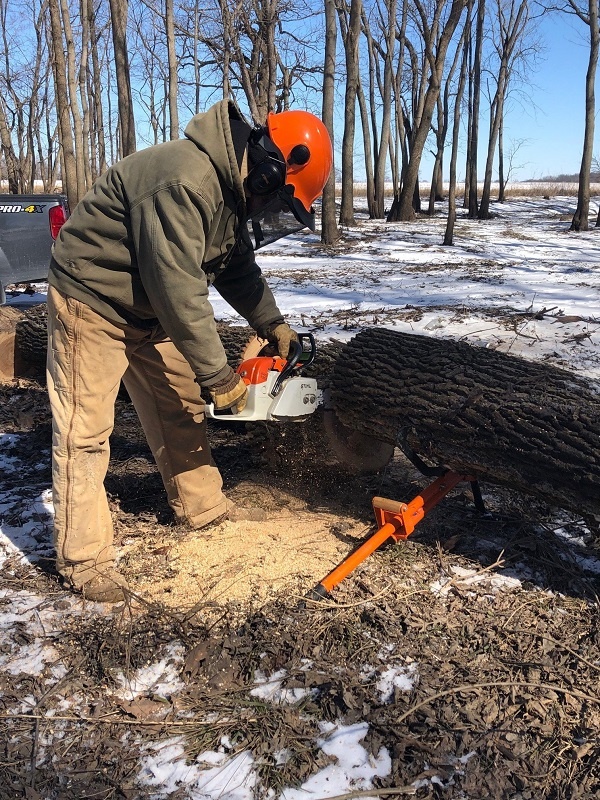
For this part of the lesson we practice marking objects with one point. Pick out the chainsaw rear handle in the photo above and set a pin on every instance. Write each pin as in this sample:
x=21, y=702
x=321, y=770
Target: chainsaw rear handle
x=311, y=352
x=294, y=358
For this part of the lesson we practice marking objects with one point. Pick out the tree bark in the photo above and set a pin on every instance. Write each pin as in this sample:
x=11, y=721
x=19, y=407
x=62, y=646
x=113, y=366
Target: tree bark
x=511, y=422
x=521, y=424
x=501, y=175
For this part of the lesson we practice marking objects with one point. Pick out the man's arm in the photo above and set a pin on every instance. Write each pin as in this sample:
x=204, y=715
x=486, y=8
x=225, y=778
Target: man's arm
x=244, y=288
x=169, y=229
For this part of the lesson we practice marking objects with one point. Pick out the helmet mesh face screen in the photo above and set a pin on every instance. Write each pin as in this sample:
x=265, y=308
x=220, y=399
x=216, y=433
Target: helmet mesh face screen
x=277, y=216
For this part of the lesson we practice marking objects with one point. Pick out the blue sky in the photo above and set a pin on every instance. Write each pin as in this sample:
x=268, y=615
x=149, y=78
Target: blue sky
x=553, y=120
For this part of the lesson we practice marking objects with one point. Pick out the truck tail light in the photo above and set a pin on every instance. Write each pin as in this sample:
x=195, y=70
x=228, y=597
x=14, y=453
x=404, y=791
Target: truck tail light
x=57, y=217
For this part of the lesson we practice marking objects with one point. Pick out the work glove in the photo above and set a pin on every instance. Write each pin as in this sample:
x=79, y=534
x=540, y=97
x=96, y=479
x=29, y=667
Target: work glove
x=280, y=335
x=230, y=392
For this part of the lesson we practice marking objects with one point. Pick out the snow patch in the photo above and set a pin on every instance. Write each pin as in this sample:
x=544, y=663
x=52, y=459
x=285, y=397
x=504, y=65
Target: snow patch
x=473, y=577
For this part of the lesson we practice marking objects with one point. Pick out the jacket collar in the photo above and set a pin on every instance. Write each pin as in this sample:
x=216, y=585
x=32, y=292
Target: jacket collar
x=220, y=132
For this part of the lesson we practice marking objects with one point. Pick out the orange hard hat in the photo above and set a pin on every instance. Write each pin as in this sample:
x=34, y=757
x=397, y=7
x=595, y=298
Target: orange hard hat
x=306, y=147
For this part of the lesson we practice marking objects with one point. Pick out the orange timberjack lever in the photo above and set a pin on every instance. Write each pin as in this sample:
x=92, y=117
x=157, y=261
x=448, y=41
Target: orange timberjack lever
x=396, y=521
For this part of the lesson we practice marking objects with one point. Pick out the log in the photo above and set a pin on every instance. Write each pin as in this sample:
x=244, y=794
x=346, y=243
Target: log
x=516, y=423
x=23, y=341
x=16, y=361
x=31, y=337
x=521, y=424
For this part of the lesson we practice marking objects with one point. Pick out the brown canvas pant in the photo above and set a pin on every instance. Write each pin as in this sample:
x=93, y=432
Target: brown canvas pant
x=88, y=356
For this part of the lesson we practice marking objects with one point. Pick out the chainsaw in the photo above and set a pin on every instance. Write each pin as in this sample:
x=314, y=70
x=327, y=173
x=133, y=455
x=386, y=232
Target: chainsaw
x=276, y=389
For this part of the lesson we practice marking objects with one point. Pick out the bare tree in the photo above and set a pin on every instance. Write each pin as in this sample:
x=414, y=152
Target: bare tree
x=508, y=165
x=97, y=126
x=118, y=14
x=587, y=13
x=352, y=78
x=388, y=41
x=475, y=101
x=249, y=33
x=69, y=171
x=77, y=124
x=441, y=129
x=172, y=70
x=437, y=33
x=329, y=228
x=512, y=17
x=22, y=85
x=449, y=233
x=152, y=72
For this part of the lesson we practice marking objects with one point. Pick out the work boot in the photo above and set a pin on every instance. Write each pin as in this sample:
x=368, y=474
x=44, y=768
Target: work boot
x=234, y=513
x=105, y=587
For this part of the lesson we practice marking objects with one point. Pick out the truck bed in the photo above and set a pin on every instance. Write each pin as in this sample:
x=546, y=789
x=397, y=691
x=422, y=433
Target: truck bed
x=26, y=226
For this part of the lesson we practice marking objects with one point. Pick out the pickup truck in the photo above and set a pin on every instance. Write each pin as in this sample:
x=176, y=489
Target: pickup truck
x=29, y=223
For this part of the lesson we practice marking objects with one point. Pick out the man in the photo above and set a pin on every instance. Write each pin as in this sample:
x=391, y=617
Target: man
x=128, y=299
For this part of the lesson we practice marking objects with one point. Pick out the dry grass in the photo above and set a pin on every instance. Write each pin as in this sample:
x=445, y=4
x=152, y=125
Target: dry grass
x=544, y=189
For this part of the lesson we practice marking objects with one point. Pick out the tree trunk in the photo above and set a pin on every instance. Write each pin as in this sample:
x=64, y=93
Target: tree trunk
x=24, y=335
x=511, y=422
x=501, y=177
x=436, y=65
x=449, y=233
x=98, y=114
x=521, y=424
x=511, y=28
x=89, y=154
x=10, y=157
x=367, y=149
x=118, y=15
x=388, y=78
x=172, y=70
x=474, y=132
x=351, y=52
x=59, y=66
x=72, y=82
x=580, y=220
x=329, y=228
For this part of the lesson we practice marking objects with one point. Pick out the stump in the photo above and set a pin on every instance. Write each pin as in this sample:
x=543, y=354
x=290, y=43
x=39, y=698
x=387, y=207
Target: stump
x=526, y=425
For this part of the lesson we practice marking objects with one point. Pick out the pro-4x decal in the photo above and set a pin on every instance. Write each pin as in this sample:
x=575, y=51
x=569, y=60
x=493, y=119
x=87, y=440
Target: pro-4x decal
x=14, y=208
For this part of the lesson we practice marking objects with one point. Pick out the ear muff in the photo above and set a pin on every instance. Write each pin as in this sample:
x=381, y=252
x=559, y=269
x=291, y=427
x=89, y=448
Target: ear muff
x=268, y=169
x=265, y=177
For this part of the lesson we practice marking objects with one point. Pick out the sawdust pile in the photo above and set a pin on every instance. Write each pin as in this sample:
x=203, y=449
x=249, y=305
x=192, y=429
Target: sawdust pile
x=244, y=562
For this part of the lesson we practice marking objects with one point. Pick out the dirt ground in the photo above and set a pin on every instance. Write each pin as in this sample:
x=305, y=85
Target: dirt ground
x=499, y=613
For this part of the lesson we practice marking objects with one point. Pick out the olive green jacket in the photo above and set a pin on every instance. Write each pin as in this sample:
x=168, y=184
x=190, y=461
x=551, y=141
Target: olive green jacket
x=159, y=227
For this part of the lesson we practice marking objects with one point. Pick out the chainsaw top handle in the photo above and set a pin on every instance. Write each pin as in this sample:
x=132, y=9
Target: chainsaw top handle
x=298, y=357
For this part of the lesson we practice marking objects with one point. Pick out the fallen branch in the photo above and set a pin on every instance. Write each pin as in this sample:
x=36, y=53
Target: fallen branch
x=374, y=793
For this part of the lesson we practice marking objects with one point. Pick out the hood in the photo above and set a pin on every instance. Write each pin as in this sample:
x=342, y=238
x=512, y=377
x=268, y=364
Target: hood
x=211, y=133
